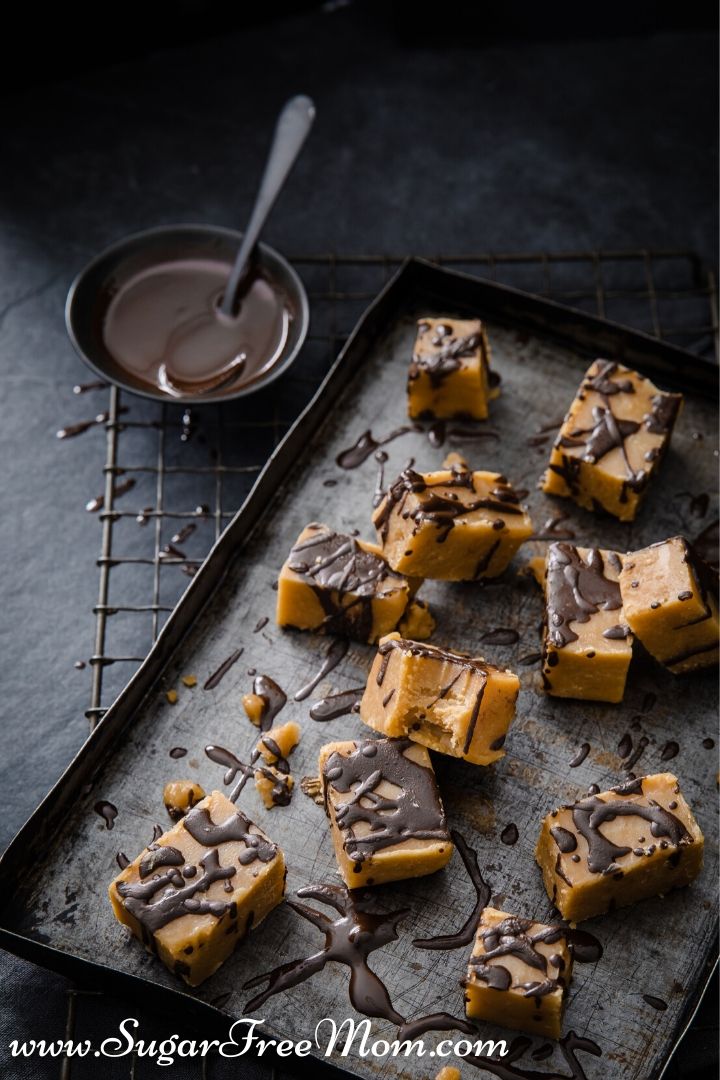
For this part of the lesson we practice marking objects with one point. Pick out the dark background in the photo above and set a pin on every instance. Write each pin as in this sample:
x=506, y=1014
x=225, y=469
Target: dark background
x=446, y=128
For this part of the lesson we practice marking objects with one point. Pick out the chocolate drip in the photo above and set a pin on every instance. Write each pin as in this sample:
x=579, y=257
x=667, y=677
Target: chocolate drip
x=366, y=446
x=500, y=635
x=510, y=834
x=335, y=705
x=580, y=756
x=260, y=624
x=576, y=590
x=158, y=857
x=107, y=811
x=512, y=937
x=670, y=750
x=661, y=419
x=415, y=812
x=274, y=699
x=639, y=750
x=335, y=566
x=438, y=509
x=603, y=383
x=607, y=433
x=441, y=1021
x=655, y=1002
x=222, y=671
x=589, y=814
x=625, y=745
x=335, y=653
x=506, y=1068
x=565, y=840
x=616, y=633
x=122, y=860
x=466, y=933
x=350, y=938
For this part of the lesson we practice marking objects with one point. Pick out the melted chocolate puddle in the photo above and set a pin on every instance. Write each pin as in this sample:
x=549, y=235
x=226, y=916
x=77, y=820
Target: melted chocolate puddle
x=163, y=327
x=350, y=937
x=274, y=699
x=580, y=756
x=178, y=752
x=335, y=653
x=510, y=834
x=107, y=812
x=219, y=675
x=366, y=446
x=335, y=705
x=466, y=933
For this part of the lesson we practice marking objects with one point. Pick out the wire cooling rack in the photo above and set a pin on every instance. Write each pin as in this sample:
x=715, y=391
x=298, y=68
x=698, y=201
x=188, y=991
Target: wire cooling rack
x=174, y=477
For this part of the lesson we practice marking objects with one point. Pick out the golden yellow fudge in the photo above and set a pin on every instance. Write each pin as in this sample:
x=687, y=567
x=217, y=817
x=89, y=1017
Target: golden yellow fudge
x=386, y=815
x=670, y=599
x=456, y=704
x=341, y=585
x=612, y=440
x=194, y=893
x=180, y=796
x=588, y=645
x=518, y=974
x=448, y=1072
x=273, y=781
x=449, y=375
x=453, y=524
x=608, y=850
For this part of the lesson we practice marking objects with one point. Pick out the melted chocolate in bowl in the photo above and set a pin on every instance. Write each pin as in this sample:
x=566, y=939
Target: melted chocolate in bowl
x=164, y=328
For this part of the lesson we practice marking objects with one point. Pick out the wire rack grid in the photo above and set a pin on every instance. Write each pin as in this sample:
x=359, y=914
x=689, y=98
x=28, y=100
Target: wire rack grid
x=189, y=471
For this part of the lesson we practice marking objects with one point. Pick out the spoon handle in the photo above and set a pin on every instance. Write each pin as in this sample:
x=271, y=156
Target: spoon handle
x=291, y=131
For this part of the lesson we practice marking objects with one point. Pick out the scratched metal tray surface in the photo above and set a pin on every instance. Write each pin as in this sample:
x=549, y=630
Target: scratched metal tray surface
x=55, y=875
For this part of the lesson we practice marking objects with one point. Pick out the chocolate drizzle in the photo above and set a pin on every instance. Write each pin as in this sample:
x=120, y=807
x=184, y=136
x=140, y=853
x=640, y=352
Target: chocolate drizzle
x=344, y=577
x=219, y=675
x=577, y=588
x=107, y=811
x=591, y=813
x=350, y=938
x=440, y=509
x=335, y=653
x=510, y=834
x=507, y=1068
x=466, y=933
x=580, y=756
x=168, y=896
x=447, y=356
x=335, y=705
x=366, y=446
x=415, y=812
x=512, y=937
x=274, y=699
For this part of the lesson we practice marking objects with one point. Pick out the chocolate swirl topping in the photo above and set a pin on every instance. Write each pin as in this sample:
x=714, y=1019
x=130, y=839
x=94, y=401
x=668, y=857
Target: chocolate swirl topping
x=448, y=355
x=158, y=899
x=577, y=588
x=441, y=508
x=334, y=566
x=591, y=813
x=415, y=812
x=512, y=937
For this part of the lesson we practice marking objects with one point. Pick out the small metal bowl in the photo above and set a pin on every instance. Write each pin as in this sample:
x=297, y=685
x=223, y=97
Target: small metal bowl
x=94, y=287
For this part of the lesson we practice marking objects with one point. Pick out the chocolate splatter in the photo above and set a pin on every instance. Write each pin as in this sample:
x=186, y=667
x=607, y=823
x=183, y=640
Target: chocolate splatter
x=107, y=811
x=366, y=446
x=335, y=705
x=510, y=834
x=466, y=933
x=335, y=653
x=580, y=755
x=219, y=675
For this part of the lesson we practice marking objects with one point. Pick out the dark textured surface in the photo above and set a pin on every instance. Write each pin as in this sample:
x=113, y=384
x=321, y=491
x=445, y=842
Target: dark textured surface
x=530, y=145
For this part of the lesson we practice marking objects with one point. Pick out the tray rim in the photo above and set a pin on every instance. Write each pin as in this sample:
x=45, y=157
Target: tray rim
x=428, y=280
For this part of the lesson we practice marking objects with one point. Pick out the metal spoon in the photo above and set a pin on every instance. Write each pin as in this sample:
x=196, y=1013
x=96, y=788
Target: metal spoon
x=291, y=131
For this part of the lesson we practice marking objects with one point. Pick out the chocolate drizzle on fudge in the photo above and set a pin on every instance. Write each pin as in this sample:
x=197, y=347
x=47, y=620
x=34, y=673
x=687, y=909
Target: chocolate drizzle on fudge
x=414, y=812
x=158, y=899
x=442, y=508
x=512, y=937
x=335, y=565
x=591, y=813
x=577, y=588
x=447, y=355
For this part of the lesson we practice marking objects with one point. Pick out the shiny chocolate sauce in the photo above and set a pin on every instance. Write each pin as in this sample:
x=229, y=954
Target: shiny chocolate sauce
x=164, y=328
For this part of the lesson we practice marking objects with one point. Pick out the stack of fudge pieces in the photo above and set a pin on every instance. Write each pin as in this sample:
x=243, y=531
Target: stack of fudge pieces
x=199, y=888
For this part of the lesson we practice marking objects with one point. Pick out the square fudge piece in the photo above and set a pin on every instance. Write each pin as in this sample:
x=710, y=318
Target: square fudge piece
x=449, y=376
x=338, y=584
x=453, y=524
x=608, y=850
x=518, y=974
x=612, y=440
x=195, y=892
x=588, y=646
x=386, y=816
x=456, y=704
x=670, y=600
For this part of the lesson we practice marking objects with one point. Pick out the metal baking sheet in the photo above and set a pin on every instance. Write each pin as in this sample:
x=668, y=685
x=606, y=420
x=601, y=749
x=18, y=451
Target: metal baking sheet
x=55, y=874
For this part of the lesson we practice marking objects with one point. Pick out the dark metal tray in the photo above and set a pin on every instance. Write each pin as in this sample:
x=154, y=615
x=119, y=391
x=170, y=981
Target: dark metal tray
x=54, y=876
